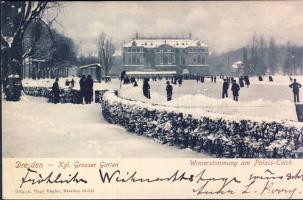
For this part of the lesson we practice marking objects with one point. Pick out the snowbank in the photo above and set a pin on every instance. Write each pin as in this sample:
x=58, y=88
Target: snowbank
x=217, y=134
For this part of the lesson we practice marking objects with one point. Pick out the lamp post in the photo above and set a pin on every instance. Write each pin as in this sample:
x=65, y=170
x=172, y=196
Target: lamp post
x=293, y=61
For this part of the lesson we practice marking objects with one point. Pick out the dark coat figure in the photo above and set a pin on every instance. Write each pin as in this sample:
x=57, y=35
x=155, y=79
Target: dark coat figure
x=135, y=84
x=271, y=79
x=89, y=92
x=295, y=89
x=202, y=79
x=241, y=81
x=215, y=78
x=235, y=89
x=212, y=79
x=72, y=82
x=126, y=80
x=56, y=91
x=246, y=80
x=66, y=82
x=132, y=79
x=260, y=78
x=146, y=88
x=180, y=81
x=169, y=91
x=82, y=88
x=225, y=89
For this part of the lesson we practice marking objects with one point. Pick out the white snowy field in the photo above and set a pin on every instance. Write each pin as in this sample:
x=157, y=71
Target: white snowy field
x=34, y=128
x=261, y=100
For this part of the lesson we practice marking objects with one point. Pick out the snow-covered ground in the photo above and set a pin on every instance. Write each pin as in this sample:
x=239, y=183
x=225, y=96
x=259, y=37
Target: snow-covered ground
x=34, y=128
x=267, y=100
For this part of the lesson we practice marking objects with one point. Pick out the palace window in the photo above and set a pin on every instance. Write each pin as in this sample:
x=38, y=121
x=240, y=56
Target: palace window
x=170, y=59
x=203, y=60
x=165, y=60
x=183, y=61
x=133, y=59
x=199, y=59
x=177, y=60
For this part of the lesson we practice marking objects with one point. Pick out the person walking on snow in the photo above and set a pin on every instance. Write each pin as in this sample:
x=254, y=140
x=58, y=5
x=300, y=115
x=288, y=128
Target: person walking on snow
x=225, y=89
x=89, y=91
x=82, y=88
x=56, y=91
x=295, y=89
x=146, y=88
x=169, y=91
x=235, y=89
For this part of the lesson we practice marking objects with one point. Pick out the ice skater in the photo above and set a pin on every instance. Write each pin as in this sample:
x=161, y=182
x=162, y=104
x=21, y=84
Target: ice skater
x=225, y=89
x=169, y=91
x=146, y=88
x=56, y=91
x=295, y=89
x=235, y=89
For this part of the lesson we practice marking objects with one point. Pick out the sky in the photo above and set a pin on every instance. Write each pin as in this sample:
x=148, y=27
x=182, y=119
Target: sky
x=222, y=26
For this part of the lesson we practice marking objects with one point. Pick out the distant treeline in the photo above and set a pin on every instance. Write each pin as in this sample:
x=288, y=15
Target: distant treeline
x=261, y=56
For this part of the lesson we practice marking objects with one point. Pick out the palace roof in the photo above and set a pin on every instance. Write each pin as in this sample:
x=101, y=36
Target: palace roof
x=154, y=43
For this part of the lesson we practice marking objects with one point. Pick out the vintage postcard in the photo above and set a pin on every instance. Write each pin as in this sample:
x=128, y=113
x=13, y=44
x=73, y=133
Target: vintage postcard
x=152, y=99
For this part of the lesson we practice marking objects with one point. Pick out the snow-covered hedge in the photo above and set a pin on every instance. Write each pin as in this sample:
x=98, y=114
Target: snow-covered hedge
x=66, y=95
x=215, y=135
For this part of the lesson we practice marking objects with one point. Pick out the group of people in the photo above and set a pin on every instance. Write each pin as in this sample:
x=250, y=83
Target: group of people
x=70, y=83
x=146, y=89
x=235, y=88
x=86, y=89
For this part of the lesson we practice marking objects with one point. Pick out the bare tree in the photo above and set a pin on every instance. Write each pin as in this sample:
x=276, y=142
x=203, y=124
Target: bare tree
x=262, y=55
x=254, y=52
x=16, y=17
x=272, y=55
x=106, y=50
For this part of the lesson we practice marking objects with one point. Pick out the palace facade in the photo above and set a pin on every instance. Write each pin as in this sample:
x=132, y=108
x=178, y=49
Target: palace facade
x=166, y=54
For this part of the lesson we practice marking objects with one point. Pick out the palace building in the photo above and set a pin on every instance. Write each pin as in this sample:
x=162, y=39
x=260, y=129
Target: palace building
x=177, y=54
